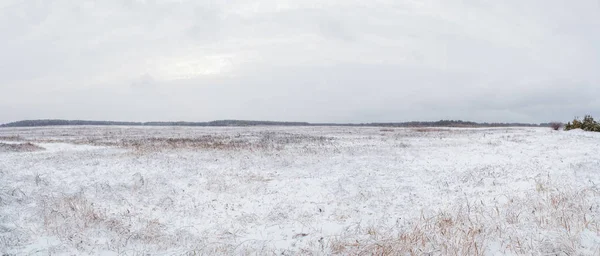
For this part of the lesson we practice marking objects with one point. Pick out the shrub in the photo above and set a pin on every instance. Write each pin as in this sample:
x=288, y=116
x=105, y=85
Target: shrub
x=587, y=124
x=555, y=125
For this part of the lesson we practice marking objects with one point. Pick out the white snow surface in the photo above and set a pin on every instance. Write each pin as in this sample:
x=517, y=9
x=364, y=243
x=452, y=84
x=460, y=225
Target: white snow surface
x=308, y=189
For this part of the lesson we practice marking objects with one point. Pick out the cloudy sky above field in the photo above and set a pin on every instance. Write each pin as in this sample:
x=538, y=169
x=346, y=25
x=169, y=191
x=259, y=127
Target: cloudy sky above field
x=303, y=60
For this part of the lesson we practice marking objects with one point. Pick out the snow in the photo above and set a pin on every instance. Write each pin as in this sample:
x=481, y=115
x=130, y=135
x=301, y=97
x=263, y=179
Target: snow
x=314, y=190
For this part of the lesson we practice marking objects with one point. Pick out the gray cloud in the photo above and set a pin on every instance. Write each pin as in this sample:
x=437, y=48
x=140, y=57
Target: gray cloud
x=340, y=61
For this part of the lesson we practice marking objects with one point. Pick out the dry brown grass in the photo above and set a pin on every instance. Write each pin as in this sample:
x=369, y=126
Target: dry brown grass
x=260, y=141
x=23, y=147
x=424, y=129
x=73, y=218
x=205, y=142
x=11, y=138
x=473, y=227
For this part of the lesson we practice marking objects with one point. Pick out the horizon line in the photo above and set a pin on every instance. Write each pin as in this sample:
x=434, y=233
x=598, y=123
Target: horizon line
x=240, y=122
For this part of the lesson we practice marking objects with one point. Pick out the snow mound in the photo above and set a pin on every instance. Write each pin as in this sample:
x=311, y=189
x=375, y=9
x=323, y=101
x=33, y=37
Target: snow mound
x=578, y=130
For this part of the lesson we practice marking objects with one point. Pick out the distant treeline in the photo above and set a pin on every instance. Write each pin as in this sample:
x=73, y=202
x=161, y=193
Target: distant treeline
x=32, y=123
x=441, y=123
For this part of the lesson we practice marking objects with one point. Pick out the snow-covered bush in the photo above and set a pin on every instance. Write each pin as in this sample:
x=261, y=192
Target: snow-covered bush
x=587, y=124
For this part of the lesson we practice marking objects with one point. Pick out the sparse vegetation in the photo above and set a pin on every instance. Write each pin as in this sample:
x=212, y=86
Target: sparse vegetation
x=10, y=138
x=23, y=147
x=253, y=141
x=430, y=130
x=587, y=124
x=261, y=141
x=471, y=228
x=556, y=125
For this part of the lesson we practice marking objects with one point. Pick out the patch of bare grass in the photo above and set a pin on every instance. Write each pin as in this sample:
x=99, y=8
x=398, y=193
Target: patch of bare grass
x=205, y=142
x=22, y=147
x=430, y=130
x=274, y=140
x=260, y=141
x=11, y=138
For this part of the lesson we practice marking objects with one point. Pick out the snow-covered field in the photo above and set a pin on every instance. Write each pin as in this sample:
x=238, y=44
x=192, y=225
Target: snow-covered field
x=298, y=190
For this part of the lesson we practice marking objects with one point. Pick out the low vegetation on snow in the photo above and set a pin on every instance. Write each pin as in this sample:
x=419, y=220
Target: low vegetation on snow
x=92, y=190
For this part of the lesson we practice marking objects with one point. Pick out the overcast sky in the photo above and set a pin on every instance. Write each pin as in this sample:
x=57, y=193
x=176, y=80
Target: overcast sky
x=301, y=60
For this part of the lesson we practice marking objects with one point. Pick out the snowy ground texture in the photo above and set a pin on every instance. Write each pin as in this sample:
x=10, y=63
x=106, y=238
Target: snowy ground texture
x=298, y=191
